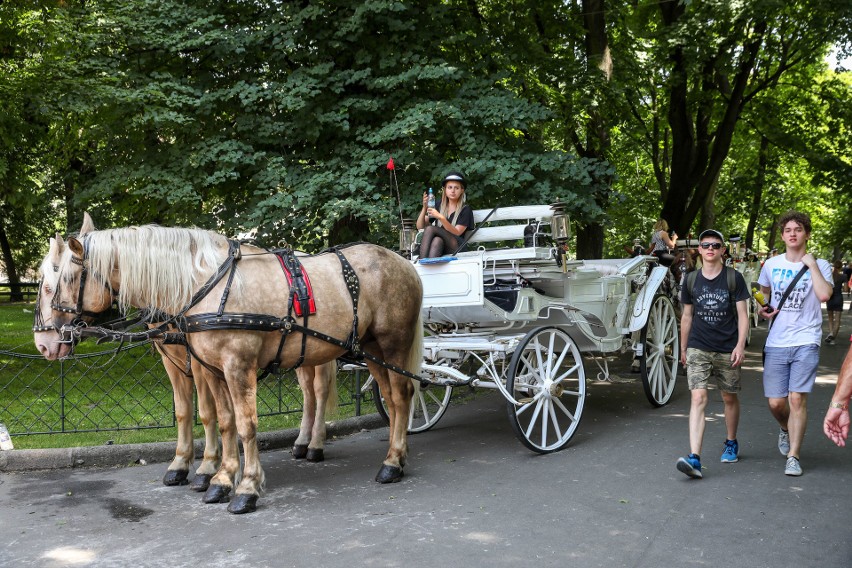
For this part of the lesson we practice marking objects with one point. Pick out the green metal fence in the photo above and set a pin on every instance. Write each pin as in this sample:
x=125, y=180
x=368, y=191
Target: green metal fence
x=123, y=388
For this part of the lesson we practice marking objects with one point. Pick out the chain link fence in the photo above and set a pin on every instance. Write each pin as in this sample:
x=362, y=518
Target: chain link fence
x=124, y=388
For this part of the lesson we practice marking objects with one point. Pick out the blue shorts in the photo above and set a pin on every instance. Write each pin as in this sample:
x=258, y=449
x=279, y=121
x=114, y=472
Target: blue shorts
x=789, y=369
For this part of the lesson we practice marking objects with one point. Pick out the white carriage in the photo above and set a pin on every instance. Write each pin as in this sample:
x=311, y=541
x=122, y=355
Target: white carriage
x=520, y=320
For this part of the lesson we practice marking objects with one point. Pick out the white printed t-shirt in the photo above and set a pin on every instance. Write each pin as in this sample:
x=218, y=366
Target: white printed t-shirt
x=800, y=320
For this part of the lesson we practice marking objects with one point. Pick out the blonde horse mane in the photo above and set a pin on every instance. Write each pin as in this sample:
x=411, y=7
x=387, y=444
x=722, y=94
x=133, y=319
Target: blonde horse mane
x=160, y=267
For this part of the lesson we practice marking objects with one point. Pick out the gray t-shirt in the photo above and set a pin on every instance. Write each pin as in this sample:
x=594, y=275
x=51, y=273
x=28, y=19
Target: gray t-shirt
x=714, y=322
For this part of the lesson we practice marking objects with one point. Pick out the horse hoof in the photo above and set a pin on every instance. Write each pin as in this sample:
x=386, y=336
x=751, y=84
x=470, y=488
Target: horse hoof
x=200, y=482
x=299, y=451
x=315, y=455
x=389, y=474
x=243, y=503
x=216, y=494
x=175, y=477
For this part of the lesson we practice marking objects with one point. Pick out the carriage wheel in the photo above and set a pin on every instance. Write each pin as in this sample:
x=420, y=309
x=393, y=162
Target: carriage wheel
x=546, y=374
x=661, y=341
x=427, y=406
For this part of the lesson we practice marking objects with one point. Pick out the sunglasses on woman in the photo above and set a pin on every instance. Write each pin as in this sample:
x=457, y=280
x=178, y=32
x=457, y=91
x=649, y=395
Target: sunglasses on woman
x=714, y=246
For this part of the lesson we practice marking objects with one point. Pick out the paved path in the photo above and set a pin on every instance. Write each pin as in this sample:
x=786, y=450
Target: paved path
x=474, y=496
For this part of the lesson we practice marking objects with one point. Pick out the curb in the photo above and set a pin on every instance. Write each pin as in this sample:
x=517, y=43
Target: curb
x=123, y=455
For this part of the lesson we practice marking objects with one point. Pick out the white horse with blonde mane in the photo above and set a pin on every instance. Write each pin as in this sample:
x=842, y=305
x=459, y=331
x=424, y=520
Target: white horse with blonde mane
x=163, y=269
x=317, y=384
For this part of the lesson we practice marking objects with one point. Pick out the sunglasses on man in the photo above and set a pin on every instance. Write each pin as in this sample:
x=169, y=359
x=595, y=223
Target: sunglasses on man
x=714, y=246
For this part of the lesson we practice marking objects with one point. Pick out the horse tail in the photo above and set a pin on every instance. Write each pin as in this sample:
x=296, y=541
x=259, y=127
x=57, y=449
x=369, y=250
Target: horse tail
x=329, y=371
x=415, y=354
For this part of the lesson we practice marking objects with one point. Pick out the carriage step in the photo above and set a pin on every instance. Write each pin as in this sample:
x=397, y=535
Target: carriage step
x=444, y=376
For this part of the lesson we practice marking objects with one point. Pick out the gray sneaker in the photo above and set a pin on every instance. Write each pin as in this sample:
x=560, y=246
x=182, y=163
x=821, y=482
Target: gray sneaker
x=783, y=442
x=793, y=467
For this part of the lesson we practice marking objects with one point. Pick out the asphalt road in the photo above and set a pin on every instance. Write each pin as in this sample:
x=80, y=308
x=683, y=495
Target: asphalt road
x=474, y=496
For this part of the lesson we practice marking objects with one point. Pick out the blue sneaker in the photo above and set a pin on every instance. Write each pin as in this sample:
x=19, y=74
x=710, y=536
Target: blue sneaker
x=732, y=448
x=691, y=466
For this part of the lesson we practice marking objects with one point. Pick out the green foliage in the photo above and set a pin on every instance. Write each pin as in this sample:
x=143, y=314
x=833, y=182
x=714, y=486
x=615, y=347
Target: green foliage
x=280, y=117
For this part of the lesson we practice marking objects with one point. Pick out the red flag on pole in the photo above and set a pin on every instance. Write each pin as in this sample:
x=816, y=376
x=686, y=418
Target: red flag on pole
x=391, y=164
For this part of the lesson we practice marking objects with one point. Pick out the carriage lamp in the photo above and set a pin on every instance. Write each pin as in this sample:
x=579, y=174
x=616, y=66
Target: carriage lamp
x=560, y=223
x=560, y=231
x=407, y=234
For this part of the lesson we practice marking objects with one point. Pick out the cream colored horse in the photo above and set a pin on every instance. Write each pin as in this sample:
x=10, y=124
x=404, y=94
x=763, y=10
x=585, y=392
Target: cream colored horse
x=161, y=268
x=317, y=384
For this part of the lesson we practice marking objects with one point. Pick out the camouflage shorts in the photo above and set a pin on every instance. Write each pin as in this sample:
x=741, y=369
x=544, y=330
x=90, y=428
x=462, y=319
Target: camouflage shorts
x=701, y=365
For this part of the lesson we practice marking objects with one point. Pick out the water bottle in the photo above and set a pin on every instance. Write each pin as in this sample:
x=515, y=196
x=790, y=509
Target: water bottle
x=430, y=203
x=761, y=299
x=5, y=439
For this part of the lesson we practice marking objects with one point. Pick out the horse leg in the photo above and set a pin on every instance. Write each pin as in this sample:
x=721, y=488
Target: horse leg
x=306, y=377
x=178, y=469
x=397, y=391
x=242, y=383
x=207, y=413
x=325, y=390
x=223, y=482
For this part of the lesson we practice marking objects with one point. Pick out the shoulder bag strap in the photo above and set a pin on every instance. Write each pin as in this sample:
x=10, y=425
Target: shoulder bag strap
x=787, y=293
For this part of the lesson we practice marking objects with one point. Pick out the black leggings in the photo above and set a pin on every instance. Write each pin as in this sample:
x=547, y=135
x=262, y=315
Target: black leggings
x=666, y=258
x=436, y=241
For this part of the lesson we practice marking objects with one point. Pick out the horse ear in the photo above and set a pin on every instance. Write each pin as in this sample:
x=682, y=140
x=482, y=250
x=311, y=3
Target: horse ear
x=57, y=245
x=75, y=246
x=88, y=224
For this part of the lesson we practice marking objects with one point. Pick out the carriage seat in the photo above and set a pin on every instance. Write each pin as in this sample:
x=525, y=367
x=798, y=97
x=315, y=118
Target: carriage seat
x=500, y=231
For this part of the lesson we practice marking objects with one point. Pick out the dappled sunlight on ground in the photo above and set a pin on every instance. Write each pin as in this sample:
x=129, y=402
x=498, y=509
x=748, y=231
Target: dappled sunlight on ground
x=69, y=556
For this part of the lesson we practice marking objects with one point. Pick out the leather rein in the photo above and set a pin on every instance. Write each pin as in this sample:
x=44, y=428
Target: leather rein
x=176, y=327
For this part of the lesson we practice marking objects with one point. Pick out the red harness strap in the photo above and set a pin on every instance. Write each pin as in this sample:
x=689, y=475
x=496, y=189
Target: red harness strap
x=300, y=285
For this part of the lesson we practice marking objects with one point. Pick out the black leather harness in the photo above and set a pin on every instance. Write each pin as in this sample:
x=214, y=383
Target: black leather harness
x=300, y=303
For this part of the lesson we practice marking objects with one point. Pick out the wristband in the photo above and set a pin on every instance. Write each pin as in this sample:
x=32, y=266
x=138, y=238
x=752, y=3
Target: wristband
x=840, y=405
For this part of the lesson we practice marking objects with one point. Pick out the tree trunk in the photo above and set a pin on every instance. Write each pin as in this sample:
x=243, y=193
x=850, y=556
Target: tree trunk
x=757, y=192
x=590, y=241
x=15, y=293
x=700, y=145
x=347, y=230
x=590, y=235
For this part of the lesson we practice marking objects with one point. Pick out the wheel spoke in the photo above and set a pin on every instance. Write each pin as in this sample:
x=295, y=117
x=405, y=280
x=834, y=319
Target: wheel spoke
x=549, y=372
x=566, y=373
x=534, y=418
x=545, y=417
x=552, y=414
x=567, y=412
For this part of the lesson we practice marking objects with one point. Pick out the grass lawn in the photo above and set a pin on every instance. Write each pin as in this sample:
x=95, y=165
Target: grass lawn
x=107, y=396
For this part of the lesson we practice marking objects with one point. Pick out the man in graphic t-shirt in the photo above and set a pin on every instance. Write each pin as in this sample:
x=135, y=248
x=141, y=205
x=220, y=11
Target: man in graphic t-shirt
x=713, y=331
x=792, y=346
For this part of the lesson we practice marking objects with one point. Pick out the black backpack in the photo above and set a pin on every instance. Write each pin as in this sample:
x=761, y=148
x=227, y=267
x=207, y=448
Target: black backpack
x=730, y=276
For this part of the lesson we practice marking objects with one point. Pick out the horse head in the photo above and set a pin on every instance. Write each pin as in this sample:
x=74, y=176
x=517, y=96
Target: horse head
x=63, y=297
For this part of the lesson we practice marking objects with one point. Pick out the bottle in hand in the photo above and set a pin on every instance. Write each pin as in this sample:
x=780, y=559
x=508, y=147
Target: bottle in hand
x=430, y=203
x=761, y=299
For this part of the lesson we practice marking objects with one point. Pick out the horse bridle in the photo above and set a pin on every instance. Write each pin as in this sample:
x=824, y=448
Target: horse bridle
x=38, y=318
x=77, y=310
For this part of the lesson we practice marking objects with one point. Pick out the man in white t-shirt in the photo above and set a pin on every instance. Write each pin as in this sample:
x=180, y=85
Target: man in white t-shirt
x=792, y=346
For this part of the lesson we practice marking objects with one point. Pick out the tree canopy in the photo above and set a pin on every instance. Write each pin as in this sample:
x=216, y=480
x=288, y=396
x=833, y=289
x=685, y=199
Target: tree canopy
x=279, y=117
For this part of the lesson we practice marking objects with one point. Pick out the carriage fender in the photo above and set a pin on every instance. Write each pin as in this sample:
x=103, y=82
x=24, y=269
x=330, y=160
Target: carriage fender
x=644, y=298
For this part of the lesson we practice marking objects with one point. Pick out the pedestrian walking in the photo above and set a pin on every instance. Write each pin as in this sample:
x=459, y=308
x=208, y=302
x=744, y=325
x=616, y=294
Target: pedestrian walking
x=796, y=283
x=834, y=305
x=836, y=423
x=713, y=332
